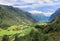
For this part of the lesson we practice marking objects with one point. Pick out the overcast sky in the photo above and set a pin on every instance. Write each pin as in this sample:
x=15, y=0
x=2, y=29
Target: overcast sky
x=46, y=7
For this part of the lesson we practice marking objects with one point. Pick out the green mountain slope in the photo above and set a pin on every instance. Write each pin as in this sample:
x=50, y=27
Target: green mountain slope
x=57, y=20
x=12, y=16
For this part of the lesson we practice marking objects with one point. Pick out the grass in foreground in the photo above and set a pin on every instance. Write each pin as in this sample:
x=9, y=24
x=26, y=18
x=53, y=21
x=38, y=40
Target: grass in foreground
x=22, y=29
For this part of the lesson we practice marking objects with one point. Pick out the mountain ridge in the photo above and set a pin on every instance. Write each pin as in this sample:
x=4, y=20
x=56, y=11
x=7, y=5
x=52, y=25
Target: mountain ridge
x=43, y=18
x=14, y=16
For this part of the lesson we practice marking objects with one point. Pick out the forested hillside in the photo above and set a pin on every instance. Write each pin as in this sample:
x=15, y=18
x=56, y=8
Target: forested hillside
x=13, y=16
x=18, y=25
x=50, y=32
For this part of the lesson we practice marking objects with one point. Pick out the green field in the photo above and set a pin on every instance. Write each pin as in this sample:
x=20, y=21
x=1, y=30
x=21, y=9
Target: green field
x=18, y=25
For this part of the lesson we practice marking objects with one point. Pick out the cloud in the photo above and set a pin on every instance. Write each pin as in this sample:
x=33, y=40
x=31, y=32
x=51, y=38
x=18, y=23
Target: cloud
x=40, y=12
x=8, y=2
x=48, y=14
x=35, y=12
x=36, y=3
x=30, y=3
x=25, y=6
x=40, y=2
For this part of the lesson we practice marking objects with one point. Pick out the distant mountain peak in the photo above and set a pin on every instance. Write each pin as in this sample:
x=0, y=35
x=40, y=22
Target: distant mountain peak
x=55, y=14
x=47, y=14
x=43, y=16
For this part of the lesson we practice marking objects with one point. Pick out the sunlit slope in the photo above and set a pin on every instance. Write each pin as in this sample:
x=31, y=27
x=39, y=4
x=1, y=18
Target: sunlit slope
x=11, y=16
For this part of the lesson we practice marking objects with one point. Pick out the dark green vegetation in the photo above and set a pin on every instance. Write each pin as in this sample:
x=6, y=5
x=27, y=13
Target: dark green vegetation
x=14, y=16
x=17, y=25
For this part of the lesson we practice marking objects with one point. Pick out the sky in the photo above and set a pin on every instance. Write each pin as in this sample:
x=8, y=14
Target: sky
x=46, y=7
